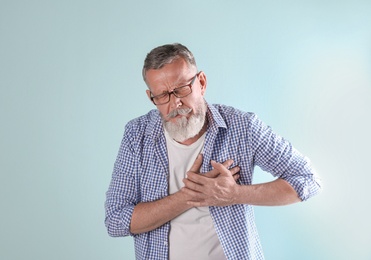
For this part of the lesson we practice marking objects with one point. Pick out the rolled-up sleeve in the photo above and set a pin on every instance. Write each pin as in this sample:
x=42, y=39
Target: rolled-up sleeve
x=121, y=196
x=274, y=154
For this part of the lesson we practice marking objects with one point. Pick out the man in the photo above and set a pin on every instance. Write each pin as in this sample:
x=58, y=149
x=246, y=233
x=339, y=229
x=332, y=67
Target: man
x=182, y=181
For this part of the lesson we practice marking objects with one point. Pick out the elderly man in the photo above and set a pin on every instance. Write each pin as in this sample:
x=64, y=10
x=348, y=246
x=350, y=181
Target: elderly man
x=182, y=180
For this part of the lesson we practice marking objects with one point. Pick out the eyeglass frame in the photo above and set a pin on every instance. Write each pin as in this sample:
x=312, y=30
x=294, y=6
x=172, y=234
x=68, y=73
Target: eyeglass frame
x=190, y=85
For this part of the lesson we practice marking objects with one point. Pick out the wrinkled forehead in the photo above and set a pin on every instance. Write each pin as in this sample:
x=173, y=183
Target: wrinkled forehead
x=174, y=74
x=186, y=66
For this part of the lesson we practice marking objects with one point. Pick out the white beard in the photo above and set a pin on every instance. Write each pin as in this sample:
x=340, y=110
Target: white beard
x=183, y=129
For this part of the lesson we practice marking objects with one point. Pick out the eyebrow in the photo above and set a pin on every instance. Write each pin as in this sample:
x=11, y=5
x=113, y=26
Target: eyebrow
x=180, y=85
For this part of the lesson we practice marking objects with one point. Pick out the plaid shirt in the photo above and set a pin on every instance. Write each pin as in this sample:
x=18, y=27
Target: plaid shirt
x=141, y=174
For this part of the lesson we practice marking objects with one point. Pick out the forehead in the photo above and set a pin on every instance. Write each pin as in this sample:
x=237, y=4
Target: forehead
x=171, y=75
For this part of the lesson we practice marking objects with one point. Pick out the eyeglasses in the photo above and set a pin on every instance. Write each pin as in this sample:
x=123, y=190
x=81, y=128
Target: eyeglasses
x=178, y=92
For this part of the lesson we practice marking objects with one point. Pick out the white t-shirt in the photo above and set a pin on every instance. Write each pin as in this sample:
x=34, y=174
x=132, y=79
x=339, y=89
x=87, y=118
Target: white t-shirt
x=192, y=234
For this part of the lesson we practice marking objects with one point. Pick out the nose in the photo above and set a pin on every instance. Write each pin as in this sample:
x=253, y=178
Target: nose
x=175, y=102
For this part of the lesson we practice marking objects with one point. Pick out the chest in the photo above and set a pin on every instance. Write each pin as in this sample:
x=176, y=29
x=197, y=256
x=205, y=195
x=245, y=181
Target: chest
x=158, y=162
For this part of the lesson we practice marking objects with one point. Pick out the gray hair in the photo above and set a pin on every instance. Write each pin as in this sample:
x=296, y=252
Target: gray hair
x=165, y=54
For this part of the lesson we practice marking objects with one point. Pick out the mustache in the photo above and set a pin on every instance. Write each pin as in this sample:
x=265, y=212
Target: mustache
x=180, y=111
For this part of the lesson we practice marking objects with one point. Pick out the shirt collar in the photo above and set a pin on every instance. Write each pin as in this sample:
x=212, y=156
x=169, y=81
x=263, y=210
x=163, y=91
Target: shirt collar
x=155, y=128
x=214, y=118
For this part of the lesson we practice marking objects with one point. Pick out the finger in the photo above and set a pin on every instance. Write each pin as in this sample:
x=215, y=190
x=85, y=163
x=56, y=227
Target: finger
x=224, y=170
x=197, y=164
x=228, y=163
x=212, y=174
x=215, y=172
x=192, y=185
x=221, y=168
x=191, y=193
x=236, y=176
x=197, y=178
x=234, y=170
x=193, y=196
x=196, y=203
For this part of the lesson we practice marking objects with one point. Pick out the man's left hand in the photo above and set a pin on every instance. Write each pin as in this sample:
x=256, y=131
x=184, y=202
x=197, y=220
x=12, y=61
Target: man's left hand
x=215, y=188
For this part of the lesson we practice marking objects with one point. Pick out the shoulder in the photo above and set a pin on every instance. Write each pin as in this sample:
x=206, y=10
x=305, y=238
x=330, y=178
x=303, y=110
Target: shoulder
x=144, y=124
x=233, y=116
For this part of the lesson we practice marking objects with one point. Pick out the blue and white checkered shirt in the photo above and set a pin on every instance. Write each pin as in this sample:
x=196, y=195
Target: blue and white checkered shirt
x=141, y=174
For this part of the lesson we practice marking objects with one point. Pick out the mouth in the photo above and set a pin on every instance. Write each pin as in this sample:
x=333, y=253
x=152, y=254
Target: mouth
x=178, y=113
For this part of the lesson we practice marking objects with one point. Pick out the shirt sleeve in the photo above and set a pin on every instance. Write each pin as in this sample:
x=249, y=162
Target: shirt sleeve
x=274, y=154
x=121, y=196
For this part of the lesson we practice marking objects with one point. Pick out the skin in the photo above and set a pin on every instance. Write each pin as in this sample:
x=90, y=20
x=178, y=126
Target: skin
x=222, y=190
x=174, y=75
x=151, y=215
x=215, y=188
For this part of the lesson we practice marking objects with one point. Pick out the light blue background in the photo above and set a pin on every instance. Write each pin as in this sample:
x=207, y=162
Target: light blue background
x=70, y=76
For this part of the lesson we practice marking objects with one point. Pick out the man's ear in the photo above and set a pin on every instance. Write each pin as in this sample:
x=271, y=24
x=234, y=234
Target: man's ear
x=203, y=81
x=149, y=95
